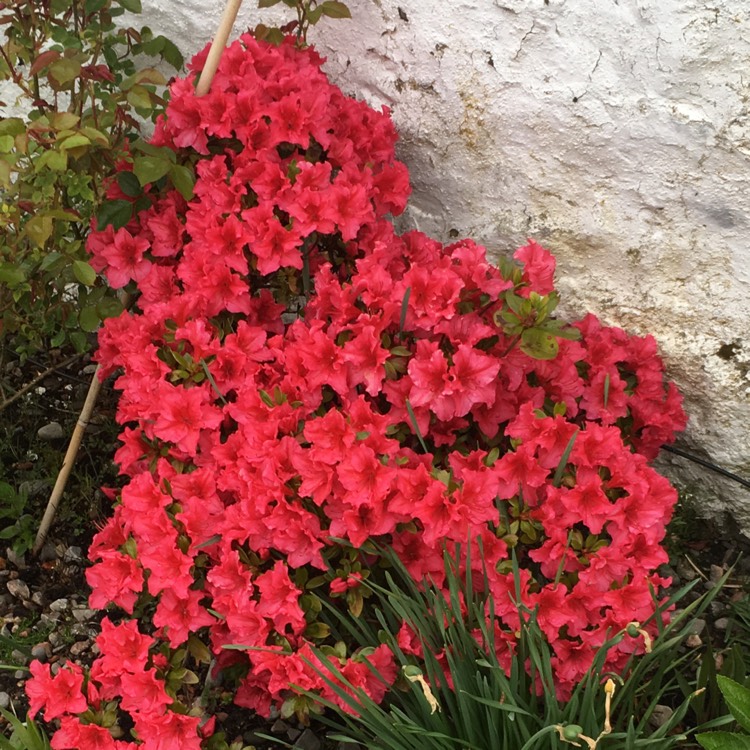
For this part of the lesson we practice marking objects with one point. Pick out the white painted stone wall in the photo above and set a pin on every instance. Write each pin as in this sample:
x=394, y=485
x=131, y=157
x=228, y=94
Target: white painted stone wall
x=615, y=132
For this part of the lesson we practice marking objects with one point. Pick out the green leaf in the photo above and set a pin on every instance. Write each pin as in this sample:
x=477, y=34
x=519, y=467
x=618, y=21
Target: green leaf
x=268, y=3
x=79, y=341
x=88, y=319
x=172, y=55
x=723, y=741
x=117, y=213
x=404, y=308
x=129, y=184
x=12, y=126
x=63, y=71
x=109, y=307
x=335, y=9
x=183, y=179
x=139, y=97
x=539, y=344
x=49, y=260
x=56, y=161
x=564, y=460
x=317, y=631
x=39, y=229
x=150, y=168
x=92, y=6
x=738, y=700
x=84, y=272
x=74, y=141
x=134, y=6
x=160, y=152
x=314, y=15
x=6, y=143
x=11, y=275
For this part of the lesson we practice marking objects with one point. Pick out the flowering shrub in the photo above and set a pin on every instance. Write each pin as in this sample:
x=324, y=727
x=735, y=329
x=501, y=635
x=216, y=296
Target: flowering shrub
x=299, y=381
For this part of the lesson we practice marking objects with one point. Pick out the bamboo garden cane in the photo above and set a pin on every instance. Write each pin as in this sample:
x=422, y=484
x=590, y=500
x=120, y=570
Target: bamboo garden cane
x=204, y=84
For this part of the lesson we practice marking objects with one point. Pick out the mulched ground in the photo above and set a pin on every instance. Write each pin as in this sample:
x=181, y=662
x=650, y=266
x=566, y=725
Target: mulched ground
x=43, y=602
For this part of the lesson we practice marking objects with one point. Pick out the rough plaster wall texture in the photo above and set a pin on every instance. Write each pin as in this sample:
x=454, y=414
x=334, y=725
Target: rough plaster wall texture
x=616, y=132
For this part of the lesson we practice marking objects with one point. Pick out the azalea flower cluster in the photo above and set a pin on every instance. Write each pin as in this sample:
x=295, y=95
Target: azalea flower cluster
x=299, y=381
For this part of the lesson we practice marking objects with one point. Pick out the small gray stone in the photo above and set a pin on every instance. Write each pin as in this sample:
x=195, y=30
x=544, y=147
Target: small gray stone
x=37, y=598
x=18, y=657
x=55, y=639
x=697, y=626
x=79, y=647
x=280, y=726
x=660, y=716
x=89, y=369
x=685, y=570
x=51, y=432
x=4, y=700
x=41, y=651
x=49, y=619
x=83, y=614
x=716, y=573
x=722, y=623
x=59, y=605
x=18, y=560
x=19, y=589
x=307, y=741
x=73, y=555
x=48, y=553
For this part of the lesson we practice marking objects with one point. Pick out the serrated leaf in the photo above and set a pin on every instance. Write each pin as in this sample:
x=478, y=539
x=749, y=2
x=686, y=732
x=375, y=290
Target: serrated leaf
x=738, y=700
x=183, y=179
x=129, y=184
x=88, y=319
x=723, y=741
x=335, y=9
x=150, y=168
x=172, y=55
x=117, y=213
x=84, y=272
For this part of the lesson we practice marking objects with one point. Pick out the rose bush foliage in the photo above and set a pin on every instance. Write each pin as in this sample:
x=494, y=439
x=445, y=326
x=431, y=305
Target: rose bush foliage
x=299, y=381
